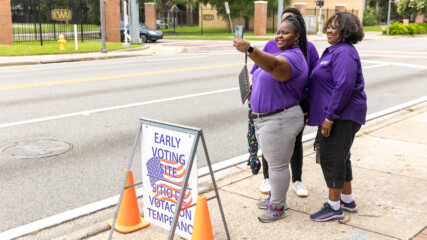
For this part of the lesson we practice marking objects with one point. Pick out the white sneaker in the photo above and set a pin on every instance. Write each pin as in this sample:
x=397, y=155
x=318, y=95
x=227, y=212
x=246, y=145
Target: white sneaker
x=300, y=189
x=265, y=186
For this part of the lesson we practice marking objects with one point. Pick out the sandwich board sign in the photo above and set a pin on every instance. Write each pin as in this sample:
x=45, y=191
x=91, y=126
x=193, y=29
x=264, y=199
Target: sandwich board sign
x=169, y=174
x=165, y=154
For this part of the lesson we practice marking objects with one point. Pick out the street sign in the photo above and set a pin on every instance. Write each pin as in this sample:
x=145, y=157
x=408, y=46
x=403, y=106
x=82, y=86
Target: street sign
x=61, y=14
x=227, y=8
x=320, y=3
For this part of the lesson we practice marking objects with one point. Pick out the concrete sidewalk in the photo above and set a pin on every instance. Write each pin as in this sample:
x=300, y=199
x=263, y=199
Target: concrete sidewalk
x=147, y=50
x=390, y=187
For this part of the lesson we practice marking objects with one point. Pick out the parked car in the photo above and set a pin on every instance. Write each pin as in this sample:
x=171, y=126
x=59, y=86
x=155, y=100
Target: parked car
x=145, y=33
x=161, y=24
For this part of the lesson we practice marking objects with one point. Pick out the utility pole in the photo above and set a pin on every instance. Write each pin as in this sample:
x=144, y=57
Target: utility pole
x=279, y=13
x=104, y=48
x=134, y=22
x=320, y=4
x=126, y=22
x=388, y=16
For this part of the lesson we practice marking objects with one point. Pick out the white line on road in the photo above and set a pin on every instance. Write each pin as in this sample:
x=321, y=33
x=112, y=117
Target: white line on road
x=375, y=66
x=396, y=64
x=390, y=56
x=103, y=204
x=85, y=113
x=173, y=59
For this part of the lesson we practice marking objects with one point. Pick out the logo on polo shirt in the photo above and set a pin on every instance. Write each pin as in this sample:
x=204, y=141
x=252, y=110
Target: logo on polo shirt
x=324, y=62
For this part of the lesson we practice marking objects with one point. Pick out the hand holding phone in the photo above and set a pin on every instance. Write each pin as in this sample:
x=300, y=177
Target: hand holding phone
x=238, y=29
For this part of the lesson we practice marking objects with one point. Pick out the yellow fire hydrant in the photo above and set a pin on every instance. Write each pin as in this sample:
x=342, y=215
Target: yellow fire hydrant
x=62, y=42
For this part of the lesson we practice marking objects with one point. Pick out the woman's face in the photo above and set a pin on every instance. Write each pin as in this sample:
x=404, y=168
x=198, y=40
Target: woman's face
x=333, y=33
x=285, y=36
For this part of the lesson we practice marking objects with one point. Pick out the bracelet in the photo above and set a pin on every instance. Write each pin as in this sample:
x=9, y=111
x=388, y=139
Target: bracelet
x=329, y=121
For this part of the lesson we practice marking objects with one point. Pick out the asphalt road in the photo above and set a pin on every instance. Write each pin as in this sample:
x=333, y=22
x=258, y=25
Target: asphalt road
x=96, y=107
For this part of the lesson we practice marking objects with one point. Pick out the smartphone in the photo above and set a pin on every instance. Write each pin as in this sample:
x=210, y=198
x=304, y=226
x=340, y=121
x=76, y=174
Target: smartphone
x=238, y=29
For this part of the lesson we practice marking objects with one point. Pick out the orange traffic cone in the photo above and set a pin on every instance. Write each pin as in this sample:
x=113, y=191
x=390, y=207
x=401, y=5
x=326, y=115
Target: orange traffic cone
x=202, y=227
x=128, y=219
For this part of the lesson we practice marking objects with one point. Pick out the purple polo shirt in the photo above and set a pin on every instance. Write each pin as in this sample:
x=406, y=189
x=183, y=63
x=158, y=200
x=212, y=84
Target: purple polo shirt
x=269, y=95
x=312, y=55
x=336, y=86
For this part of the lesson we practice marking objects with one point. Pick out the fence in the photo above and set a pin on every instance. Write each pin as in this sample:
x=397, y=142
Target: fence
x=39, y=21
x=207, y=21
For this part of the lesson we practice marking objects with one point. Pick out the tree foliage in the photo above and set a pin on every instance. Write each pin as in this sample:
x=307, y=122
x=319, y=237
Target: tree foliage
x=411, y=7
x=241, y=8
x=381, y=9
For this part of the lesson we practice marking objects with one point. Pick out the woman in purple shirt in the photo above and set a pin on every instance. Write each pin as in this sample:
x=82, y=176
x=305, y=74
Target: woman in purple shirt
x=338, y=108
x=276, y=92
x=297, y=156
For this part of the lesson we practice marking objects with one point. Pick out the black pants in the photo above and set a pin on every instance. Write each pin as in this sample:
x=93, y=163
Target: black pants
x=335, y=153
x=296, y=160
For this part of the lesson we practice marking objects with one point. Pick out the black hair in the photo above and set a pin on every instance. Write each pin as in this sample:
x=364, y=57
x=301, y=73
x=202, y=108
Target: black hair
x=349, y=26
x=294, y=11
x=299, y=27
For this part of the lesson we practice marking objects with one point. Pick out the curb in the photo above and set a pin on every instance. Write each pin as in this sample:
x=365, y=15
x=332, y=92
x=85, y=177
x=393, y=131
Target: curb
x=122, y=53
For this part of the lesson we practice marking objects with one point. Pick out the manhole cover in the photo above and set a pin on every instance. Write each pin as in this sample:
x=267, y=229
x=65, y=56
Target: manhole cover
x=35, y=148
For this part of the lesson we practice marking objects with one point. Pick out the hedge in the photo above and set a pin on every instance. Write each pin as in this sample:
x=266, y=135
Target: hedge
x=398, y=28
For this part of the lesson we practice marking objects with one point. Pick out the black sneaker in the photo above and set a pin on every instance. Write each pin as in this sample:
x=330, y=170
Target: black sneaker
x=349, y=207
x=327, y=213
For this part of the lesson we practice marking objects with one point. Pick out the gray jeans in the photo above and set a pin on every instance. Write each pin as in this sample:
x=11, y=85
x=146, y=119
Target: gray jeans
x=276, y=136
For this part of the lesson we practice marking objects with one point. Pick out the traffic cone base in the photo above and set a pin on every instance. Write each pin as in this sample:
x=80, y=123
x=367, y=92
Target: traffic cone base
x=128, y=219
x=128, y=229
x=202, y=227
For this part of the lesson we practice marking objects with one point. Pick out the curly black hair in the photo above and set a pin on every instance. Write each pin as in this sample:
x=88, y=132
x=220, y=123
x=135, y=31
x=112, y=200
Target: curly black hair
x=349, y=26
x=299, y=27
x=294, y=11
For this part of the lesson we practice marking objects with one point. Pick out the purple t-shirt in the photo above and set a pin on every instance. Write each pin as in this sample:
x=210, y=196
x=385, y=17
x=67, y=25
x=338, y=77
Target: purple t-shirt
x=336, y=86
x=269, y=95
x=312, y=55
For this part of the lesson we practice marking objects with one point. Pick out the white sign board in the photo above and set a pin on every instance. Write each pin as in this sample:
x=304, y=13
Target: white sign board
x=227, y=8
x=165, y=154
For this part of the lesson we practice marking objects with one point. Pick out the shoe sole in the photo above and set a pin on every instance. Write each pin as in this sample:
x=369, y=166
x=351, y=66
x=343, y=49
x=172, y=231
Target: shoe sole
x=263, y=192
x=350, y=210
x=266, y=207
x=335, y=217
x=302, y=196
x=272, y=220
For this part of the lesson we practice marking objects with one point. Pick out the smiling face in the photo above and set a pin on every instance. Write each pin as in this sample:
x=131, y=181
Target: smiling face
x=285, y=36
x=333, y=33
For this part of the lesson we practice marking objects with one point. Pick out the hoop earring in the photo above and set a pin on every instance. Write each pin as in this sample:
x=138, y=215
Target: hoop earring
x=297, y=42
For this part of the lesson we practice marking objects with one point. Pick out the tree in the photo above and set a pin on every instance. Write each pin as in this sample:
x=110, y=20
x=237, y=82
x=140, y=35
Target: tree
x=381, y=9
x=411, y=7
x=241, y=8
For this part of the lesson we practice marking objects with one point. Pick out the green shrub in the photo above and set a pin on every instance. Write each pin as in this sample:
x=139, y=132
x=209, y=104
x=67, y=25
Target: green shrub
x=369, y=17
x=412, y=29
x=397, y=28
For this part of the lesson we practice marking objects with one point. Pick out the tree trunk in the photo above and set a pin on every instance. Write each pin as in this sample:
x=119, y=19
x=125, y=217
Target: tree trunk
x=190, y=20
x=246, y=22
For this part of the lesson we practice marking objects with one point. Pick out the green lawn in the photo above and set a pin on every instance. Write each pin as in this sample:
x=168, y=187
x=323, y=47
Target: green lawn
x=53, y=48
x=375, y=28
x=50, y=28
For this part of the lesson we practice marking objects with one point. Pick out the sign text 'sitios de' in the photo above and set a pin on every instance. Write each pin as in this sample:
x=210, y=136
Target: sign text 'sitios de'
x=61, y=14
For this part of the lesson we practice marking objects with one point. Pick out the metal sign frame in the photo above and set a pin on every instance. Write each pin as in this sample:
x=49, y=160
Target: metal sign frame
x=198, y=133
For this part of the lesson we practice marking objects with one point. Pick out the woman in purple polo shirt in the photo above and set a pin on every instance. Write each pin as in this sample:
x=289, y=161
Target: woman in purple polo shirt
x=338, y=108
x=297, y=156
x=276, y=92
